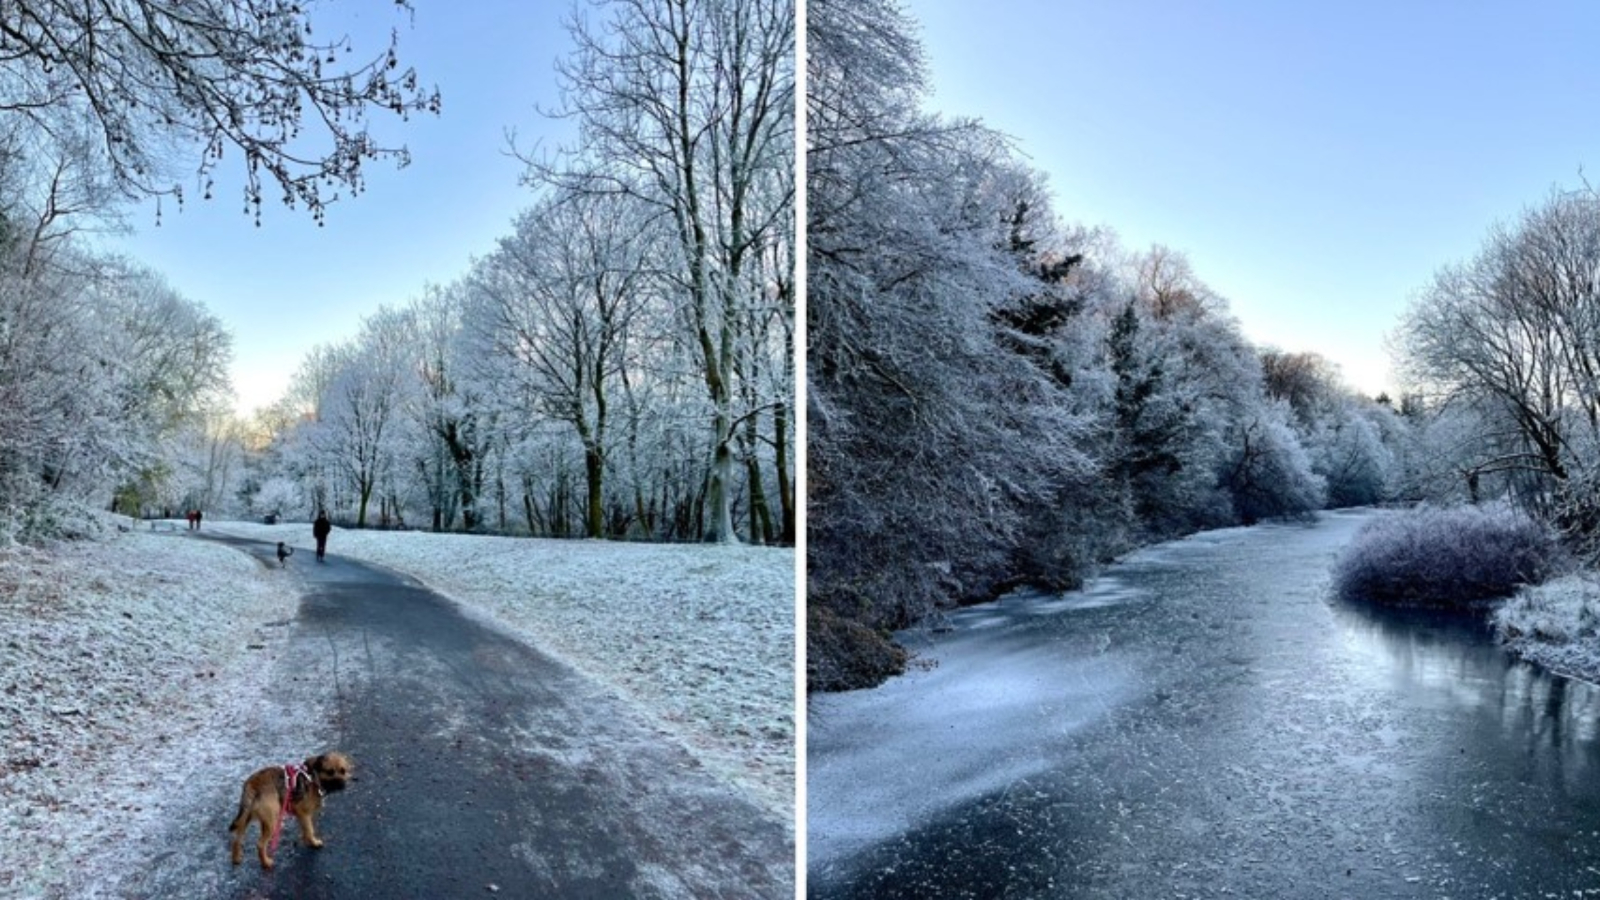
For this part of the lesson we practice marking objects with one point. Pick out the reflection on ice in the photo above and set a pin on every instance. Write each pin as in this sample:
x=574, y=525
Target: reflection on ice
x=1450, y=659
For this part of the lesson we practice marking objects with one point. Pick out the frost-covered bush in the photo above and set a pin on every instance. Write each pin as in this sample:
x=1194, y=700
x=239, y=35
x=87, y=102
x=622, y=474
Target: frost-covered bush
x=50, y=518
x=279, y=495
x=1561, y=611
x=1445, y=556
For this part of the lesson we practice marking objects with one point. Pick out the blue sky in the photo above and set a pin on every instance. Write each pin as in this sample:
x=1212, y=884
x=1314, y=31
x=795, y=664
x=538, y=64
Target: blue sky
x=1317, y=162
x=289, y=285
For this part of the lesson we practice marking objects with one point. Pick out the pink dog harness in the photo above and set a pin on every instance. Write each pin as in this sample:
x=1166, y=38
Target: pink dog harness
x=291, y=772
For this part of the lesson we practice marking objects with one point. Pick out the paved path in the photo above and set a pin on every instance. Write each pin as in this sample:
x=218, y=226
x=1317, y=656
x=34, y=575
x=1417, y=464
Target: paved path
x=484, y=768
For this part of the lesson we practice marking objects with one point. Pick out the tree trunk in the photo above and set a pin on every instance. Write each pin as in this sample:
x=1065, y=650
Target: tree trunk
x=500, y=497
x=760, y=512
x=780, y=431
x=594, y=472
x=558, y=513
x=718, y=527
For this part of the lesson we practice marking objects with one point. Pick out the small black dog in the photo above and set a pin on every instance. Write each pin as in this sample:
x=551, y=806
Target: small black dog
x=284, y=552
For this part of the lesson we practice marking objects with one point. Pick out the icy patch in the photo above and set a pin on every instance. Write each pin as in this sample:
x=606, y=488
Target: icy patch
x=1200, y=542
x=1002, y=707
x=699, y=638
x=1104, y=591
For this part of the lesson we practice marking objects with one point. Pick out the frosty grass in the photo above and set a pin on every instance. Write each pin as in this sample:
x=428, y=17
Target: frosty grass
x=116, y=657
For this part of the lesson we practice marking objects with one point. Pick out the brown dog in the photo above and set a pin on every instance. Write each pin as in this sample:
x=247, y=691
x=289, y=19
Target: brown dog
x=268, y=794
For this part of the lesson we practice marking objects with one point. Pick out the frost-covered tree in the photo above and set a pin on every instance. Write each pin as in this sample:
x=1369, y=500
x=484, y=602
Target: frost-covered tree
x=764, y=364
x=1198, y=443
x=1507, y=340
x=1348, y=451
x=929, y=440
x=57, y=396
x=556, y=304
x=1266, y=470
x=103, y=371
x=1167, y=286
x=454, y=410
x=1160, y=455
x=207, y=464
x=1306, y=381
x=352, y=436
x=101, y=363
x=1515, y=325
x=688, y=106
x=173, y=352
x=1511, y=334
x=111, y=383
x=1355, y=444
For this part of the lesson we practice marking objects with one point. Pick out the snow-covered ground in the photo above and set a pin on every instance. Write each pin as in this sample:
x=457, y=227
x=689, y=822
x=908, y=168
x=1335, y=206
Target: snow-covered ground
x=127, y=667
x=1556, y=624
x=700, y=638
x=131, y=664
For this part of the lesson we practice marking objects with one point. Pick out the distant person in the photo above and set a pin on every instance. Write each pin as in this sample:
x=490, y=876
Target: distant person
x=319, y=530
x=190, y=516
x=198, y=515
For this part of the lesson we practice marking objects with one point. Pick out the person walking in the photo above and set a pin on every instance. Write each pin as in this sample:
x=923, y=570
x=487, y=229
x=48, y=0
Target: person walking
x=319, y=530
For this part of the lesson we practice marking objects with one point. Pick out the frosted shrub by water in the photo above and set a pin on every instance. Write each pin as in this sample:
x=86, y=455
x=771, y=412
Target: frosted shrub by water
x=1564, y=610
x=1445, y=556
x=1556, y=624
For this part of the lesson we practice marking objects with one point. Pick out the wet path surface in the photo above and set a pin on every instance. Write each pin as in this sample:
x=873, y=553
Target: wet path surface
x=1206, y=722
x=483, y=769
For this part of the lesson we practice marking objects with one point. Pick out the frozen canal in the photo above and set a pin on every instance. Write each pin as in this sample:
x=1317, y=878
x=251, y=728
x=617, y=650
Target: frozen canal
x=1205, y=721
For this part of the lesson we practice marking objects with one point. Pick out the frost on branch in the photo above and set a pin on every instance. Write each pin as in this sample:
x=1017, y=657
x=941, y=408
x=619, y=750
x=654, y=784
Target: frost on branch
x=139, y=88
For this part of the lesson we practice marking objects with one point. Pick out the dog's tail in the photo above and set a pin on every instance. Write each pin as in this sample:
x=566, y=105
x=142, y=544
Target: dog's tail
x=242, y=820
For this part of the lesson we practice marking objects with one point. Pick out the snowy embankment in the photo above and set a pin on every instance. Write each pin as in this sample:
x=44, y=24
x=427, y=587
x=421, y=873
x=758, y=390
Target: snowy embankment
x=699, y=638
x=1556, y=624
x=121, y=662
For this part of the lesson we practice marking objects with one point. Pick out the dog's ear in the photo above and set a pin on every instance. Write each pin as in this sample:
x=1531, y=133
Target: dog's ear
x=314, y=764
